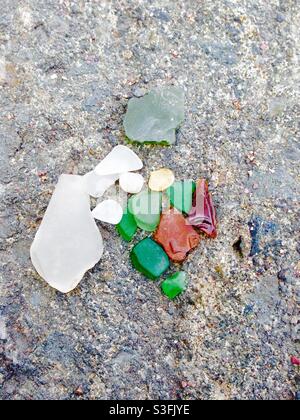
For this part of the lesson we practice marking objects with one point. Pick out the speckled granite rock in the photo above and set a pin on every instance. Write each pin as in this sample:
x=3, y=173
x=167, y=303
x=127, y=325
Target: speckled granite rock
x=67, y=70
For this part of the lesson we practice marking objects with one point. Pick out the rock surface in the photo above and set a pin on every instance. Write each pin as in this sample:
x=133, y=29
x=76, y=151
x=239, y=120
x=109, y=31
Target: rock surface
x=67, y=70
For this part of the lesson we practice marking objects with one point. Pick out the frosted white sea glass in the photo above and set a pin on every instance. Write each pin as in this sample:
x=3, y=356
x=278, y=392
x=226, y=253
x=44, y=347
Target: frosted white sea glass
x=120, y=160
x=68, y=242
x=108, y=211
x=97, y=185
x=131, y=182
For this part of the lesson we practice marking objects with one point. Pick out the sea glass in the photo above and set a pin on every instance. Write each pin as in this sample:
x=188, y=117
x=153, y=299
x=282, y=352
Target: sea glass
x=146, y=209
x=161, y=179
x=155, y=117
x=131, y=182
x=97, y=185
x=127, y=228
x=174, y=285
x=181, y=195
x=203, y=213
x=108, y=211
x=150, y=259
x=68, y=242
x=120, y=160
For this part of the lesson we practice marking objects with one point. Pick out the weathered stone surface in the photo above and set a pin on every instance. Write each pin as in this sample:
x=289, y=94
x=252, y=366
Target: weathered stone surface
x=65, y=114
x=176, y=236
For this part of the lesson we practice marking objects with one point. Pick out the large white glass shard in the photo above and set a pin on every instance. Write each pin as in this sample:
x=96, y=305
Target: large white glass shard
x=68, y=242
x=120, y=160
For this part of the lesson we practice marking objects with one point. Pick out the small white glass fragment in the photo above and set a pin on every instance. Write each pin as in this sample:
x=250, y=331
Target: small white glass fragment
x=131, y=182
x=97, y=185
x=108, y=211
x=120, y=160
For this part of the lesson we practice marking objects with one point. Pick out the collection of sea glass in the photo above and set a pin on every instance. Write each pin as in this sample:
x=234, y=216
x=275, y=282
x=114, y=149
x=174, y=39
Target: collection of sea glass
x=69, y=243
x=172, y=211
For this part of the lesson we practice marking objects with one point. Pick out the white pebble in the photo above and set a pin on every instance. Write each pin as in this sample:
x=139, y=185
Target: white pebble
x=131, y=183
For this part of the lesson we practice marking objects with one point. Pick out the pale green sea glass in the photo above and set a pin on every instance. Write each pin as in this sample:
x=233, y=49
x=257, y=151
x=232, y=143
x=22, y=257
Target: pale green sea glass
x=146, y=208
x=155, y=117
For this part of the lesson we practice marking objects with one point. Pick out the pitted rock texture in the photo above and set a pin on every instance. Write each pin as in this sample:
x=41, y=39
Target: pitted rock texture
x=67, y=70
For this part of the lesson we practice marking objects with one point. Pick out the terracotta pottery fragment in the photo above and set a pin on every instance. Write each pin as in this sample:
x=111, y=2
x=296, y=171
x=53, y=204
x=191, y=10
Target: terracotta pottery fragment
x=176, y=236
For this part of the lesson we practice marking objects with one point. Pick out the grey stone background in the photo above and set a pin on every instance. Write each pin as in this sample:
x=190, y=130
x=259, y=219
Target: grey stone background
x=67, y=70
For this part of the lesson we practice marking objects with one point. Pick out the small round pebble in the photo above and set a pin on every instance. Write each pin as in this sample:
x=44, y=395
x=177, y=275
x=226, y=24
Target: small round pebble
x=131, y=182
x=161, y=179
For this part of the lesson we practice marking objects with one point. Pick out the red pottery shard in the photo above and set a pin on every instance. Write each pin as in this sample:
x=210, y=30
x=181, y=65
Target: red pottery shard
x=176, y=236
x=203, y=213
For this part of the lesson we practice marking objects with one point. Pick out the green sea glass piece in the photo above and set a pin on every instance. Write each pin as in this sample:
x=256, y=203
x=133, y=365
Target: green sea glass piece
x=155, y=117
x=181, y=195
x=146, y=208
x=150, y=259
x=174, y=285
x=127, y=227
